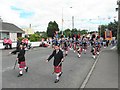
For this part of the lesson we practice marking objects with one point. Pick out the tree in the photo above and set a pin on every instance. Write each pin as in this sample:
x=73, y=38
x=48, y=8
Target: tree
x=52, y=27
x=101, y=30
x=74, y=31
x=37, y=32
x=41, y=34
x=83, y=32
x=67, y=32
x=113, y=27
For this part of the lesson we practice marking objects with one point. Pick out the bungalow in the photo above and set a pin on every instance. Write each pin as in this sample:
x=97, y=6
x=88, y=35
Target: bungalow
x=9, y=30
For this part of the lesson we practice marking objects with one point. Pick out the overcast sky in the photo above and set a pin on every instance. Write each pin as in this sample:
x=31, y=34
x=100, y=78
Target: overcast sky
x=88, y=14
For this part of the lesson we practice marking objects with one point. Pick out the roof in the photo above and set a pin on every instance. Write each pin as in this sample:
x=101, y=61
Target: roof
x=9, y=27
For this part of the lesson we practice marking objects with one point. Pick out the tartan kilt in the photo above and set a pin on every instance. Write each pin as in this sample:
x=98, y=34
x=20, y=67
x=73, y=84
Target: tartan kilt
x=74, y=46
x=66, y=48
x=22, y=64
x=85, y=46
x=57, y=69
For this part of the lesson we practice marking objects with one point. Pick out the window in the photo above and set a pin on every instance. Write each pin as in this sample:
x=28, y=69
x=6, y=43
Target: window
x=19, y=35
x=5, y=35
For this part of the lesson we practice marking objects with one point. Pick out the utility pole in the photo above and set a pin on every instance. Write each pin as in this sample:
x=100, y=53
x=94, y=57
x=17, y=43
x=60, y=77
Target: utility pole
x=72, y=19
x=100, y=30
x=0, y=27
x=118, y=31
x=72, y=22
x=0, y=23
x=62, y=21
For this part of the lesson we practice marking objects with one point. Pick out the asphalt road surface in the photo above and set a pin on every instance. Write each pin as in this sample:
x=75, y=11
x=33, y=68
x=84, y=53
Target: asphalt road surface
x=105, y=74
x=40, y=73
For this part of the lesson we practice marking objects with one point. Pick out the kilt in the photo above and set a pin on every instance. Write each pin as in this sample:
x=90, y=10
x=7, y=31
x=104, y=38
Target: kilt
x=84, y=46
x=57, y=69
x=66, y=48
x=22, y=64
x=74, y=46
x=81, y=49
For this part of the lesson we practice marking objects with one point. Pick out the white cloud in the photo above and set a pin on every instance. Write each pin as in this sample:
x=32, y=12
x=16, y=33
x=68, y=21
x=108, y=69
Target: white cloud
x=50, y=10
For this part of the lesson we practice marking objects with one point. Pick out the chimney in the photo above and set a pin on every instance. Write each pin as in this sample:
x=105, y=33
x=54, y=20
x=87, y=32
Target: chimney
x=30, y=26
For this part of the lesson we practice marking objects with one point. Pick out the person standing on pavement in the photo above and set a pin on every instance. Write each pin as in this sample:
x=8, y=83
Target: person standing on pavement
x=18, y=43
x=5, y=42
x=58, y=59
x=10, y=43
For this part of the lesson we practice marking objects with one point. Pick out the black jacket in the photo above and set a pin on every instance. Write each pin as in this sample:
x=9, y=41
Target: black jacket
x=57, y=57
x=21, y=54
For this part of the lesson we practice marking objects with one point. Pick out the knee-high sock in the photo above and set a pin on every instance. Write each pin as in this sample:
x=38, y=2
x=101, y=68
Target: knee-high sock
x=57, y=76
x=21, y=71
x=25, y=67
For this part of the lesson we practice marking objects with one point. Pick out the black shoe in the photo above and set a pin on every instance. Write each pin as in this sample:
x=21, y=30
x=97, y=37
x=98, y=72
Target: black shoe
x=26, y=69
x=65, y=55
x=20, y=75
x=60, y=74
x=56, y=81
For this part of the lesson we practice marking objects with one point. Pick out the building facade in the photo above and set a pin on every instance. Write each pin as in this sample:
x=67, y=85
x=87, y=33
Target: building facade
x=9, y=30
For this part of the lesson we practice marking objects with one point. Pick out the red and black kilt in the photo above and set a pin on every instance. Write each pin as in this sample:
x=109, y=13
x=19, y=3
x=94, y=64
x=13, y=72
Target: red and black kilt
x=98, y=48
x=81, y=49
x=74, y=46
x=22, y=64
x=57, y=69
x=70, y=45
x=66, y=48
x=85, y=46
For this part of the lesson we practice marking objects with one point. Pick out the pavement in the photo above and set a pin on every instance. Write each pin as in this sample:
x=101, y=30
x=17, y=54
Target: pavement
x=75, y=70
x=105, y=74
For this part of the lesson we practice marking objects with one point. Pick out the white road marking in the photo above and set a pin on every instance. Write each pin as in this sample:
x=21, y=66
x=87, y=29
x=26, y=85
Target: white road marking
x=91, y=70
x=113, y=48
x=89, y=74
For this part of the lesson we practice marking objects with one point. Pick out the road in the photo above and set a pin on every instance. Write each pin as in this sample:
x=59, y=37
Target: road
x=40, y=75
x=105, y=74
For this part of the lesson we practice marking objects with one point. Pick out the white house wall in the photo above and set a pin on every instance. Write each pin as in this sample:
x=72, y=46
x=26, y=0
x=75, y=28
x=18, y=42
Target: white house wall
x=23, y=35
x=13, y=36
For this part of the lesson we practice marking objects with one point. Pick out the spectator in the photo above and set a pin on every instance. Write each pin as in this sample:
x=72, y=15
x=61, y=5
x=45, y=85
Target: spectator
x=18, y=44
x=5, y=42
x=10, y=43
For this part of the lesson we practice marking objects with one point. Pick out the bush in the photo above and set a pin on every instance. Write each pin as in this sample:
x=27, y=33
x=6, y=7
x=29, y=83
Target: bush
x=20, y=38
x=44, y=36
x=34, y=37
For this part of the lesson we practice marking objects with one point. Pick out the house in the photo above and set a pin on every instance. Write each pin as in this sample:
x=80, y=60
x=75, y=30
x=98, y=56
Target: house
x=29, y=30
x=9, y=30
